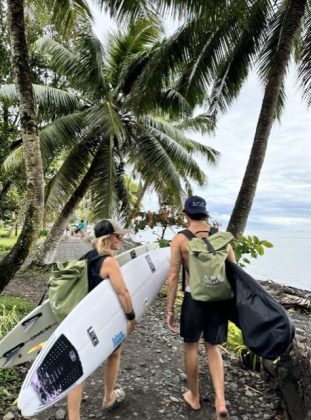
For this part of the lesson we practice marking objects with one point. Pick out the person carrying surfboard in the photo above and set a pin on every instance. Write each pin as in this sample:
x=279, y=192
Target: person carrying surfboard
x=108, y=236
x=198, y=317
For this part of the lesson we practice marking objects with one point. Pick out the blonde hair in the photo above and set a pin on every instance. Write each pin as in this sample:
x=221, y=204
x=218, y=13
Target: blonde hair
x=103, y=245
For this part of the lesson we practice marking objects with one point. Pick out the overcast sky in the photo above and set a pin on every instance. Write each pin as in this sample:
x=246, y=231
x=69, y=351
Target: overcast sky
x=283, y=197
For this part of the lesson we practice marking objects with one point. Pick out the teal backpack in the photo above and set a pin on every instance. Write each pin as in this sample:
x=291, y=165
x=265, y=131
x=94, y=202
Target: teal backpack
x=207, y=272
x=68, y=285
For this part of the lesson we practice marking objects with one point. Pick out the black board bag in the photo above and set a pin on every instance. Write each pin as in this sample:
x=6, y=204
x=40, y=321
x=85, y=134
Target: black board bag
x=267, y=329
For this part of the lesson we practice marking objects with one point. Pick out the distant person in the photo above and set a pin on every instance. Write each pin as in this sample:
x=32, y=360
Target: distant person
x=197, y=318
x=81, y=228
x=108, y=236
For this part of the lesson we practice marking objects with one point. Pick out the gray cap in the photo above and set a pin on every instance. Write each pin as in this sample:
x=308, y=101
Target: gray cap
x=108, y=227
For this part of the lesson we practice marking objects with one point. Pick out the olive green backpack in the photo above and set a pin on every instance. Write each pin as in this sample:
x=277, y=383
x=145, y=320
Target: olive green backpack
x=68, y=285
x=207, y=272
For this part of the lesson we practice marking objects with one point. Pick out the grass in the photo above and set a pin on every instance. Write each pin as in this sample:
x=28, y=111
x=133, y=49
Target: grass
x=12, y=309
x=6, y=244
x=20, y=306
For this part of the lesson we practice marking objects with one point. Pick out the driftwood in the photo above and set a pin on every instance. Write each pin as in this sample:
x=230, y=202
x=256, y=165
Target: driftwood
x=293, y=372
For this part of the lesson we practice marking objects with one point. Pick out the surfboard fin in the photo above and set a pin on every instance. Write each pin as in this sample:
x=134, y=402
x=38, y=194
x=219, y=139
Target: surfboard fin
x=29, y=322
x=37, y=347
x=11, y=354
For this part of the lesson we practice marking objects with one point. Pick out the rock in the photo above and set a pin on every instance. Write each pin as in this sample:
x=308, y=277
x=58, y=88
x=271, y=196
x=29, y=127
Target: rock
x=293, y=372
x=9, y=416
x=60, y=414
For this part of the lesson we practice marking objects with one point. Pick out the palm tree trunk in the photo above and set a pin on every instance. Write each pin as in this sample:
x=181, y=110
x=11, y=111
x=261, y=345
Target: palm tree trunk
x=32, y=154
x=46, y=253
x=240, y=213
x=140, y=196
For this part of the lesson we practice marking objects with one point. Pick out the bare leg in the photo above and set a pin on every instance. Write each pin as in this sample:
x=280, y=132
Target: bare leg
x=74, y=402
x=216, y=369
x=112, y=367
x=192, y=396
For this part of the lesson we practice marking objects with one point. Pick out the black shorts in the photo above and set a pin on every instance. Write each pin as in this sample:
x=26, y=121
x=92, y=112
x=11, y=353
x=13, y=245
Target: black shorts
x=209, y=318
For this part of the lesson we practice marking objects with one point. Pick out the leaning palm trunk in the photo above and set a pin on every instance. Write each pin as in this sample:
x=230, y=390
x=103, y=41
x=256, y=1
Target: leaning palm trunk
x=139, y=198
x=32, y=154
x=46, y=253
x=246, y=194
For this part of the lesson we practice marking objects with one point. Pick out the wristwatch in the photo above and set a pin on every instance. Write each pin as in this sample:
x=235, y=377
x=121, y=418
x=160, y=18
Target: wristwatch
x=130, y=316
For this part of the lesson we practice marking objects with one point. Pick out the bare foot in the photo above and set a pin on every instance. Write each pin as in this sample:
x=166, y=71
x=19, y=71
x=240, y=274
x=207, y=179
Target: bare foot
x=193, y=403
x=221, y=411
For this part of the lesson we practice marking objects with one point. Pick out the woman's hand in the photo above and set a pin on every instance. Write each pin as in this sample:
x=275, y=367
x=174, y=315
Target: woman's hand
x=131, y=325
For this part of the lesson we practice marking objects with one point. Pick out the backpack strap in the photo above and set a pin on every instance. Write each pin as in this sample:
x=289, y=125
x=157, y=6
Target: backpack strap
x=188, y=234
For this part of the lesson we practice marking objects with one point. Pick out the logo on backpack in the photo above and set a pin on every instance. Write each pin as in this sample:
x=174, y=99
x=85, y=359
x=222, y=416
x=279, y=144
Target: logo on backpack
x=207, y=272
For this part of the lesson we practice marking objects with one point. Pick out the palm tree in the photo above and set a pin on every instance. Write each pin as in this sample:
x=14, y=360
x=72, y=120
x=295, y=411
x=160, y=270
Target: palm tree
x=214, y=51
x=33, y=164
x=104, y=134
x=32, y=157
x=287, y=26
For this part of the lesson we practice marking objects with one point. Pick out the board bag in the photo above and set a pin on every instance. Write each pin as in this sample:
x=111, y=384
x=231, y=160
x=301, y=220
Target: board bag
x=207, y=272
x=267, y=329
x=68, y=285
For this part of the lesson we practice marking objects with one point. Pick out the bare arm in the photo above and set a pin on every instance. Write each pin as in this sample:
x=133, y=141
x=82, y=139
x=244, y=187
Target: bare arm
x=110, y=268
x=231, y=254
x=172, y=282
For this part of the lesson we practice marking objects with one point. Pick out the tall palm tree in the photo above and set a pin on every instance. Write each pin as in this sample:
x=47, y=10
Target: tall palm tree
x=288, y=23
x=33, y=164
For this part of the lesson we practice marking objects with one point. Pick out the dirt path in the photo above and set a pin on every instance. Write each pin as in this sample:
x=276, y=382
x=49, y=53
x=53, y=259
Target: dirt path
x=152, y=372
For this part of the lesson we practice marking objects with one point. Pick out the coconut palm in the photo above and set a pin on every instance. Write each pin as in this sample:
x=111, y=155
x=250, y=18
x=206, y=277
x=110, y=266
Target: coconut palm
x=104, y=135
x=214, y=51
x=33, y=165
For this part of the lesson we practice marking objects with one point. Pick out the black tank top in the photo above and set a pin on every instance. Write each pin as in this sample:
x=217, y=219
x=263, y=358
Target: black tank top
x=94, y=265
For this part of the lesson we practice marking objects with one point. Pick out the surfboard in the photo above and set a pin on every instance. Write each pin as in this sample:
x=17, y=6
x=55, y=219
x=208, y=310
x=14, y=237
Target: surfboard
x=90, y=333
x=23, y=343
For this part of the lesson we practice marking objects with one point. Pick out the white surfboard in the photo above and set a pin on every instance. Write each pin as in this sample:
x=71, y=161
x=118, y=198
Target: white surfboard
x=90, y=333
x=24, y=342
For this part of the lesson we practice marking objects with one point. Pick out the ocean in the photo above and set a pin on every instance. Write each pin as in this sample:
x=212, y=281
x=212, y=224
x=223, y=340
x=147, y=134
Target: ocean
x=286, y=263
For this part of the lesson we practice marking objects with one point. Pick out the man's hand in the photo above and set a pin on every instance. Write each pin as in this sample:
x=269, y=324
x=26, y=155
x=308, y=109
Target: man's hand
x=171, y=322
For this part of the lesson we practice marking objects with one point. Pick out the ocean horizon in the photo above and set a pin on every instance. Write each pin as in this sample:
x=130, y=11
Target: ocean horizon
x=286, y=263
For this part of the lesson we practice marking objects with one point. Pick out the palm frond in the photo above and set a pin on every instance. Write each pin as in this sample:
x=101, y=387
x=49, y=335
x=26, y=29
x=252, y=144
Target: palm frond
x=65, y=13
x=103, y=189
x=55, y=101
x=60, y=135
x=161, y=127
x=233, y=70
x=48, y=99
x=183, y=162
x=68, y=177
x=154, y=160
x=128, y=52
x=64, y=61
x=14, y=160
x=8, y=94
x=126, y=10
x=304, y=70
x=203, y=123
x=104, y=119
x=270, y=48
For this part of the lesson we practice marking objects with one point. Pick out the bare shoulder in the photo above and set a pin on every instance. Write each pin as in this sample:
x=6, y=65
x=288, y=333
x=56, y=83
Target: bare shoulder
x=177, y=240
x=110, y=261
